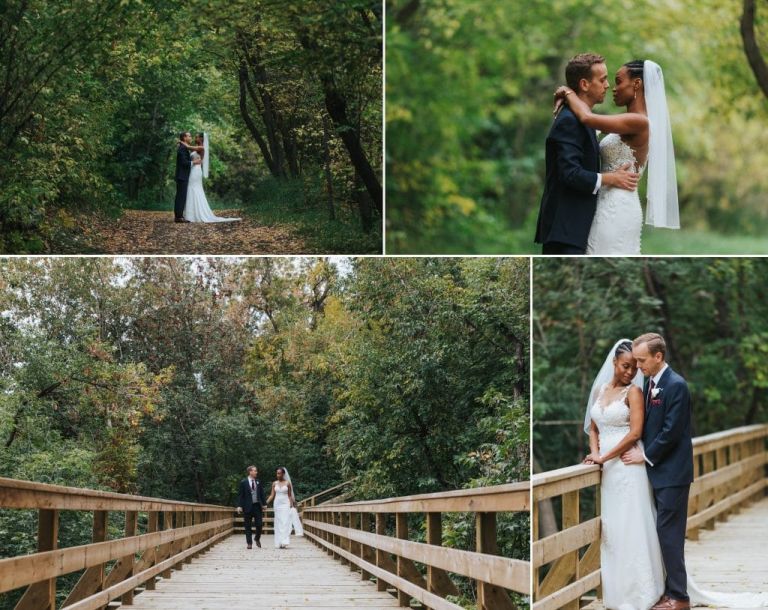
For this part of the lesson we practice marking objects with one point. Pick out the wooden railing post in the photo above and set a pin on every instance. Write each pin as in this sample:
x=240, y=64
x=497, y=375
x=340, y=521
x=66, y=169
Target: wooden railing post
x=42, y=595
x=438, y=580
x=401, y=531
x=149, y=558
x=489, y=596
x=381, y=556
x=93, y=578
x=131, y=518
x=344, y=542
x=167, y=548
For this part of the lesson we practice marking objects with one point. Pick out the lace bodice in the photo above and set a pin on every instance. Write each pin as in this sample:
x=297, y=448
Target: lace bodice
x=618, y=221
x=611, y=418
x=194, y=155
x=615, y=152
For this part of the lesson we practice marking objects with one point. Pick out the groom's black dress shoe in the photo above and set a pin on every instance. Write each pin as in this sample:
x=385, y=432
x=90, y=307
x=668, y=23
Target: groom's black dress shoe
x=180, y=220
x=258, y=543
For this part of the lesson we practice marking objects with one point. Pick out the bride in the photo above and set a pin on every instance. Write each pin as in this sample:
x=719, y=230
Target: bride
x=197, y=208
x=282, y=494
x=632, y=571
x=642, y=137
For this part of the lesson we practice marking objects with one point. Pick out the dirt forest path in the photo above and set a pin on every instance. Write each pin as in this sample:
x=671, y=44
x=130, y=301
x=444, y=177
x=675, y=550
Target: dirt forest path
x=144, y=232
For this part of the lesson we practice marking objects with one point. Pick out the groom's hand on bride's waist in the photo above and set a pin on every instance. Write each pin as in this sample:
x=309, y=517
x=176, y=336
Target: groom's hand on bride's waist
x=622, y=178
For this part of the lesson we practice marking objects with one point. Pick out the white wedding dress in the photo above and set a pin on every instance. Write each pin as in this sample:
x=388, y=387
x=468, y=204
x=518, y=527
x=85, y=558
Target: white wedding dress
x=631, y=565
x=618, y=220
x=197, y=208
x=283, y=521
x=630, y=555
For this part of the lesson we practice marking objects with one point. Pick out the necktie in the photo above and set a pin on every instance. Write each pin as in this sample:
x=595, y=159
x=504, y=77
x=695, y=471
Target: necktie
x=253, y=485
x=650, y=389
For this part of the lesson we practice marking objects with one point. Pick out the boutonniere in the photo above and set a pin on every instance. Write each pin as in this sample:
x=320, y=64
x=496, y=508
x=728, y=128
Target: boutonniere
x=655, y=392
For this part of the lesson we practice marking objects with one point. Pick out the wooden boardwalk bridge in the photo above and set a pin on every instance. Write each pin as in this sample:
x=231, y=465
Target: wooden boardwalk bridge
x=726, y=536
x=175, y=555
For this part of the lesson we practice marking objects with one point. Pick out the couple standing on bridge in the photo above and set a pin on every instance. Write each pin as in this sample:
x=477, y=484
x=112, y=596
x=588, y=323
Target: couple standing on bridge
x=639, y=424
x=251, y=504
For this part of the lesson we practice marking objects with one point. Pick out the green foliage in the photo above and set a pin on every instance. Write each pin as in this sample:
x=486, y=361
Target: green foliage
x=710, y=311
x=469, y=87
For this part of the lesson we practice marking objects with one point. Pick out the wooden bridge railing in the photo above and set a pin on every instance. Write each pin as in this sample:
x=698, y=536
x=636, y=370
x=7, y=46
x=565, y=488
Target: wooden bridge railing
x=356, y=534
x=175, y=532
x=729, y=471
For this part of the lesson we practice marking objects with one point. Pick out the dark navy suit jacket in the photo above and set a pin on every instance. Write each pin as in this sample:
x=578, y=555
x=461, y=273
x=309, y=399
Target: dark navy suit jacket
x=245, y=498
x=183, y=163
x=572, y=164
x=667, y=432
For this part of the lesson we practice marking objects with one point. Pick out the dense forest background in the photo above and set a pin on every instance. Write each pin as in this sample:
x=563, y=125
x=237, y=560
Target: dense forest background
x=469, y=97
x=711, y=312
x=167, y=376
x=94, y=94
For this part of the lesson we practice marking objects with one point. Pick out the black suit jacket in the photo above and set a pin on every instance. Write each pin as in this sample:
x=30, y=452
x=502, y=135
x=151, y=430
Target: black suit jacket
x=245, y=499
x=667, y=432
x=183, y=163
x=572, y=164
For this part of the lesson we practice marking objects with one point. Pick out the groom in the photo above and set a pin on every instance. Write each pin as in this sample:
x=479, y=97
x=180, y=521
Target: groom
x=669, y=460
x=183, y=166
x=251, y=503
x=573, y=164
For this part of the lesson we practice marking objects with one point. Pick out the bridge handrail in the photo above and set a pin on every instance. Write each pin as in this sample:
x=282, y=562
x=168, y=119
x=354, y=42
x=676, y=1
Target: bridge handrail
x=175, y=532
x=313, y=499
x=356, y=533
x=16, y=493
x=729, y=471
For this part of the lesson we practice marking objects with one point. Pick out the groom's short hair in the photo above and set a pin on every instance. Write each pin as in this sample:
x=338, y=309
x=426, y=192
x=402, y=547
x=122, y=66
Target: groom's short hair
x=182, y=134
x=247, y=470
x=580, y=67
x=655, y=343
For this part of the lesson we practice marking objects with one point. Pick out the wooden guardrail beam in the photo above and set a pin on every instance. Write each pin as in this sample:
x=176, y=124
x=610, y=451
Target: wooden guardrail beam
x=344, y=530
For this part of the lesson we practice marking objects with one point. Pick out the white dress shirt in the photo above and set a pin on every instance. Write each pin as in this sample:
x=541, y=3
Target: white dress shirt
x=656, y=378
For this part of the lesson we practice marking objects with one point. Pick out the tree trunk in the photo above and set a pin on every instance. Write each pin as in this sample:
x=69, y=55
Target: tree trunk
x=328, y=174
x=252, y=126
x=751, y=49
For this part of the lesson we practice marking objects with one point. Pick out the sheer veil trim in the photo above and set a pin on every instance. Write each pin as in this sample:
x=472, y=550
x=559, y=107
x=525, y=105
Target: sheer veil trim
x=662, y=209
x=604, y=376
x=288, y=479
x=206, y=155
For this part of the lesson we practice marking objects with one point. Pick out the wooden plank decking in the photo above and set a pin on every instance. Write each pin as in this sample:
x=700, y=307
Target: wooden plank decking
x=731, y=558
x=230, y=577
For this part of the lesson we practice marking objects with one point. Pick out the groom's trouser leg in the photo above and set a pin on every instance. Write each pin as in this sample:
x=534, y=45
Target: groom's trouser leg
x=181, y=198
x=247, y=519
x=259, y=519
x=671, y=518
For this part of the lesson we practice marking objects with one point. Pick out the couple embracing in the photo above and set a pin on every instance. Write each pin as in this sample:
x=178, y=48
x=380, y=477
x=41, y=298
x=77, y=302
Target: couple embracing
x=590, y=203
x=251, y=503
x=639, y=424
x=192, y=163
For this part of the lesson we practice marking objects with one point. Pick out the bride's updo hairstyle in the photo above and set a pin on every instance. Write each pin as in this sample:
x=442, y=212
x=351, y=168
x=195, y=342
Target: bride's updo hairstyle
x=635, y=68
x=623, y=348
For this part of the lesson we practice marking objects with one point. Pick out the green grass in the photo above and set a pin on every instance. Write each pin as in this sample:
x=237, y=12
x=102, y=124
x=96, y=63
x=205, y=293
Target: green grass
x=665, y=241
